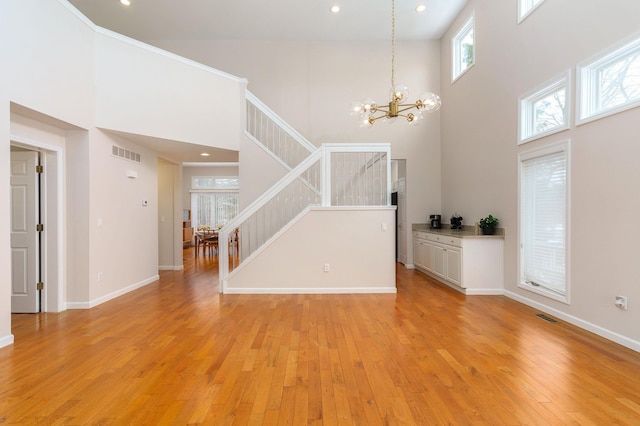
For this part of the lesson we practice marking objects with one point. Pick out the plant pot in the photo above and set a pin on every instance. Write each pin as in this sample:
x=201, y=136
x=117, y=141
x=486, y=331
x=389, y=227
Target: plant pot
x=489, y=230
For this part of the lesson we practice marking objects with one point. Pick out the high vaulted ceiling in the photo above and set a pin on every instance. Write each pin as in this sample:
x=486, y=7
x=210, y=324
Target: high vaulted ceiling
x=155, y=20
x=271, y=20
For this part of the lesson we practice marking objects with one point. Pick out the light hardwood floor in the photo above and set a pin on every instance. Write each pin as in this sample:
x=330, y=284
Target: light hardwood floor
x=176, y=352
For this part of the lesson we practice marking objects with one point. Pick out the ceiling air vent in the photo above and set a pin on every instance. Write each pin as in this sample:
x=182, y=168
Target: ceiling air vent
x=118, y=151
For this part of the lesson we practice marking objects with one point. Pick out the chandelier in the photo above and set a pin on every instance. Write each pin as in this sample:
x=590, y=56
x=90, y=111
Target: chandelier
x=368, y=111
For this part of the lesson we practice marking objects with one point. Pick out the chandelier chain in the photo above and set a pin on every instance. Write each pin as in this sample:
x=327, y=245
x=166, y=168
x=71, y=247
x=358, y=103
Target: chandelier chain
x=393, y=43
x=368, y=111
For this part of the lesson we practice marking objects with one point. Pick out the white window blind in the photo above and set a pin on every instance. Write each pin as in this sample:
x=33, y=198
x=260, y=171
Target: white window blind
x=213, y=209
x=543, y=220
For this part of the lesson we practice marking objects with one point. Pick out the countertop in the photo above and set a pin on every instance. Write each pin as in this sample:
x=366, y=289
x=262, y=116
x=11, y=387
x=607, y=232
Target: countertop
x=467, y=231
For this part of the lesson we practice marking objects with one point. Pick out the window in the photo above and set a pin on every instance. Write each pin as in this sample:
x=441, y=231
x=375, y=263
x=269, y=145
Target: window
x=610, y=83
x=543, y=231
x=525, y=7
x=214, y=200
x=214, y=182
x=213, y=209
x=463, y=52
x=545, y=111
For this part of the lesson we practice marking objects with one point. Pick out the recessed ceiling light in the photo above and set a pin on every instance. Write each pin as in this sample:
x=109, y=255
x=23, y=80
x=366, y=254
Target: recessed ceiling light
x=335, y=8
x=125, y=2
x=205, y=154
x=421, y=8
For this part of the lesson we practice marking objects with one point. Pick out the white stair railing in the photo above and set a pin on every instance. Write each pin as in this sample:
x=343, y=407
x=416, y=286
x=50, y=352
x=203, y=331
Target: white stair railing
x=345, y=175
x=273, y=134
x=333, y=175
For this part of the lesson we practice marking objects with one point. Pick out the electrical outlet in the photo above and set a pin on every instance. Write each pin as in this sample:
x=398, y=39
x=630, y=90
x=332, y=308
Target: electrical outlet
x=326, y=267
x=99, y=276
x=621, y=302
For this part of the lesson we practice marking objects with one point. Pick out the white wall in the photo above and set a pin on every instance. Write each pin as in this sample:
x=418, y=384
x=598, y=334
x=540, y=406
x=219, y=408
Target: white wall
x=311, y=85
x=146, y=91
x=258, y=172
x=6, y=338
x=58, y=83
x=55, y=62
x=479, y=150
x=169, y=215
x=359, y=252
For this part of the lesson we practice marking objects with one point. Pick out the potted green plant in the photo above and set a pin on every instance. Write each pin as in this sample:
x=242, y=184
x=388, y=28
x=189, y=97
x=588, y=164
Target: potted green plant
x=488, y=225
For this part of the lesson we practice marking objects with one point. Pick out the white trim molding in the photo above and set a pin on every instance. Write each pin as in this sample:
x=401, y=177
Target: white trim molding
x=578, y=322
x=313, y=290
x=100, y=300
x=6, y=340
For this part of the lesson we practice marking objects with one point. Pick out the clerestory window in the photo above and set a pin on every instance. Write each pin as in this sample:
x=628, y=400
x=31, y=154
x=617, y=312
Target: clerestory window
x=610, y=83
x=463, y=49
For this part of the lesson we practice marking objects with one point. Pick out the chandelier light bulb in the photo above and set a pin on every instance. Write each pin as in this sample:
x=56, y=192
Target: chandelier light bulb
x=415, y=119
x=357, y=109
x=369, y=106
x=399, y=93
x=429, y=102
x=366, y=122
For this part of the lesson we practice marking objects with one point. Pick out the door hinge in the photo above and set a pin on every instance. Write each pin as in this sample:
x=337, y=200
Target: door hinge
x=39, y=227
x=39, y=286
x=39, y=169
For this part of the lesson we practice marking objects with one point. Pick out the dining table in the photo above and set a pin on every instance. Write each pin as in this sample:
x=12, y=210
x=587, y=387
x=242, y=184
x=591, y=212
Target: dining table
x=204, y=238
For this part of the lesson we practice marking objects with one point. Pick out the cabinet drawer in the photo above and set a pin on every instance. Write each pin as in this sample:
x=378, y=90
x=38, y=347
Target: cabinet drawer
x=421, y=235
x=444, y=239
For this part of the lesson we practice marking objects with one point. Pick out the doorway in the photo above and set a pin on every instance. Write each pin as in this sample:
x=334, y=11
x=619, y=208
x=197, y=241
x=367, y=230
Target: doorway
x=399, y=187
x=26, y=231
x=42, y=263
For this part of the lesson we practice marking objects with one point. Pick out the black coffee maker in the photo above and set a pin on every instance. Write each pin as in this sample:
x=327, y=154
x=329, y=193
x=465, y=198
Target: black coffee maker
x=435, y=221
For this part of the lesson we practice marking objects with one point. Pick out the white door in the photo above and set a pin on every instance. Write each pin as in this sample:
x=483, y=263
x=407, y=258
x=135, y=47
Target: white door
x=24, y=237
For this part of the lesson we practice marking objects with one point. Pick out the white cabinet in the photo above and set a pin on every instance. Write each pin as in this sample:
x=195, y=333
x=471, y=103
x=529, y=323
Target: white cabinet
x=473, y=264
x=419, y=248
x=454, y=265
x=439, y=259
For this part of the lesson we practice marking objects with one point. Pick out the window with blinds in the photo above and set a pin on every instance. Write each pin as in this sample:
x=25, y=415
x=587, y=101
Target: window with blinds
x=214, y=200
x=543, y=220
x=213, y=209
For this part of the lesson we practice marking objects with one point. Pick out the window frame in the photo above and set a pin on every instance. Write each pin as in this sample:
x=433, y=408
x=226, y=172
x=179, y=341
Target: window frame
x=530, y=154
x=456, y=48
x=214, y=187
x=526, y=122
x=526, y=8
x=587, y=81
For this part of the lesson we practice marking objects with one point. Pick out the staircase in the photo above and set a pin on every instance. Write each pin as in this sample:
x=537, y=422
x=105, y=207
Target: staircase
x=333, y=175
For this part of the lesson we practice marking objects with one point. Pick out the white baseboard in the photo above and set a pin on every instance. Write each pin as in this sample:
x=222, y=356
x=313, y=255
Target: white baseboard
x=6, y=340
x=317, y=290
x=107, y=297
x=586, y=325
x=484, y=291
x=170, y=268
x=409, y=266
